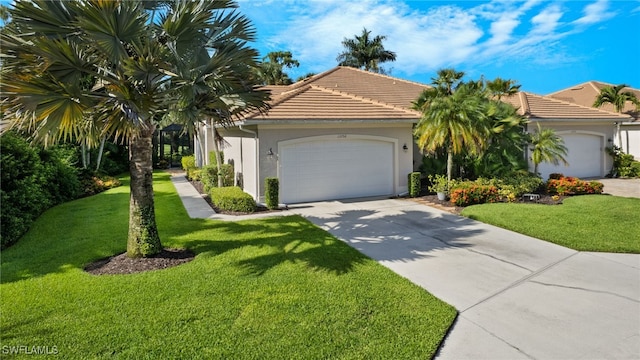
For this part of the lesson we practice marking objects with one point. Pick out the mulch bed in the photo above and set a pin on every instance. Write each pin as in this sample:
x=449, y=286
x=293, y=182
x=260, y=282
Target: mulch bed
x=446, y=205
x=122, y=264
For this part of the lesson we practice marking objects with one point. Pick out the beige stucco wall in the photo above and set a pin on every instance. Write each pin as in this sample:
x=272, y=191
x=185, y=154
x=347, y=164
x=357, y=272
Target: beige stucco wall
x=630, y=139
x=605, y=130
x=242, y=151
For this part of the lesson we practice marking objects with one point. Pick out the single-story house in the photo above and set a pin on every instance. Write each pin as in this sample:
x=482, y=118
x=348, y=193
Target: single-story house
x=586, y=132
x=348, y=133
x=629, y=130
x=344, y=133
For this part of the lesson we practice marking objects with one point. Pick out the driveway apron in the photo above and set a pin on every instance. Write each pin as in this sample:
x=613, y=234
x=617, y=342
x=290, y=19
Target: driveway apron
x=517, y=297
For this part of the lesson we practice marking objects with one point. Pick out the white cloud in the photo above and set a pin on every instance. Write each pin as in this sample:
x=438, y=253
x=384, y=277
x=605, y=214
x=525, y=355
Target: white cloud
x=435, y=37
x=595, y=12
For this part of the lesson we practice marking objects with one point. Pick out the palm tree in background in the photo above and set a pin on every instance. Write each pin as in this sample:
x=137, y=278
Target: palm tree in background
x=500, y=87
x=365, y=52
x=615, y=96
x=271, y=70
x=547, y=146
x=92, y=69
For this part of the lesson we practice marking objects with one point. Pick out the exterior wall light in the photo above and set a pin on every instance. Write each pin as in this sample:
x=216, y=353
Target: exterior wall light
x=405, y=148
x=270, y=153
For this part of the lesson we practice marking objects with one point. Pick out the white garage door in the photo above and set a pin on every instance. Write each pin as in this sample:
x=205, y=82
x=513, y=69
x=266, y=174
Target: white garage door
x=585, y=157
x=335, y=168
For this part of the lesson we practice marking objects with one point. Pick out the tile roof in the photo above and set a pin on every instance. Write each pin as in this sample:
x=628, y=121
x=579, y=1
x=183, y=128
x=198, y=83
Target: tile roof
x=547, y=108
x=343, y=93
x=585, y=94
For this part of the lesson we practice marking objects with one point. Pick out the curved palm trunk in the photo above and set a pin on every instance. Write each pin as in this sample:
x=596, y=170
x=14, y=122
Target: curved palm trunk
x=449, y=165
x=143, y=240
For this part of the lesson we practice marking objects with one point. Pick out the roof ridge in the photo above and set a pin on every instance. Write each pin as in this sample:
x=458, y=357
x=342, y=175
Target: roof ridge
x=570, y=88
x=309, y=80
x=383, y=75
x=525, y=102
x=362, y=98
x=578, y=105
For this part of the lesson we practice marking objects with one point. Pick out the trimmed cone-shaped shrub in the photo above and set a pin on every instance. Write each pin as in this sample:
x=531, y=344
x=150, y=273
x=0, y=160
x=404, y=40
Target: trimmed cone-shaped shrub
x=414, y=184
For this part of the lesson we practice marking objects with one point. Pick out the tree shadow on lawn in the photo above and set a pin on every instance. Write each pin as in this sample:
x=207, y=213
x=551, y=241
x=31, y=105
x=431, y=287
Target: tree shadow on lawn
x=270, y=242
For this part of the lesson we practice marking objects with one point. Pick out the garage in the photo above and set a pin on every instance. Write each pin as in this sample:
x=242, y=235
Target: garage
x=585, y=156
x=335, y=167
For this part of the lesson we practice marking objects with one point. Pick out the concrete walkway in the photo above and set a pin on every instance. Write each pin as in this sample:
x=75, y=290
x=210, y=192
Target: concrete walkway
x=517, y=297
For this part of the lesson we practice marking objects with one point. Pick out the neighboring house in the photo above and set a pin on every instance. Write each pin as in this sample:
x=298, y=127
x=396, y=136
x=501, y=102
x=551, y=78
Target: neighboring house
x=344, y=133
x=586, y=132
x=585, y=94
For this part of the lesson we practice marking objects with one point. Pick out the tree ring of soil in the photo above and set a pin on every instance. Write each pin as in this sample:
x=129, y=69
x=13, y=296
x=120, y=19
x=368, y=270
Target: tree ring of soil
x=122, y=264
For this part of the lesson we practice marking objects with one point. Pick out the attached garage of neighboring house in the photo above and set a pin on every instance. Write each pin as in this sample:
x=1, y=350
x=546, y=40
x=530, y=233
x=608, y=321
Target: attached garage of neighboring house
x=342, y=134
x=586, y=132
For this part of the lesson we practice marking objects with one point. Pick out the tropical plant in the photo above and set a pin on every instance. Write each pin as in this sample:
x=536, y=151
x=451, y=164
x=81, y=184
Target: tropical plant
x=453, y=117
x=500, y=87
x=547, y=146
x=615, y=96
x=89, y=69
x=365, y=52
x=271, y=68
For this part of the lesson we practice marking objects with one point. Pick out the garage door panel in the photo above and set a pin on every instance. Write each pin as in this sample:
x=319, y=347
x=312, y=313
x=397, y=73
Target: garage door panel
x=335, y=169
x=585, y=157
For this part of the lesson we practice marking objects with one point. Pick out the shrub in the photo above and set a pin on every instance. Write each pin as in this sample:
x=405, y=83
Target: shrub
x=439, y=183
x=188, y=165
x=209, y=176
x=555, y=176
x=272, y=196
x=469, y=193
x=212, y=157
x=624, y=165
x=92, y=183
x=514, y=185
x=573, y=186
x=414, y=184
x=232, y=199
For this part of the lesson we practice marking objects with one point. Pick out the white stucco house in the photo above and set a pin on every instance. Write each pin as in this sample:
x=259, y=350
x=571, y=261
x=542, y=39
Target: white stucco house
x=348, y=133
x=585, y=94
x=344, y=133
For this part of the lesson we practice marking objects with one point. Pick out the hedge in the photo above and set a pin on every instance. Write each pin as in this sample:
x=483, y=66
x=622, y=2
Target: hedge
x=466, y=194
x=414, y=184
x=560, y=185
x=272, y=196
x=232, y=199
x=208, y=175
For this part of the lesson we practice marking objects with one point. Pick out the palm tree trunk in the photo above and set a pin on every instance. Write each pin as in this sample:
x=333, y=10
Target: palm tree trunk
x=216, y=145
x=143, y=240
x=449, y=164
x=100, y=152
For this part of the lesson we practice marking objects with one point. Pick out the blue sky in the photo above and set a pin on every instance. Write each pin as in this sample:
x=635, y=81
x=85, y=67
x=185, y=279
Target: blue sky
x=545, y=45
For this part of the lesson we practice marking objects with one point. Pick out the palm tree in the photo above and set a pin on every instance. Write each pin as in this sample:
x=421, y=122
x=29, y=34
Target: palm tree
x=615, y=96
x=547, y=146
x=455, y=122
x=500, y=87
x=364, y=52
x=143, y=59
x=271, y=69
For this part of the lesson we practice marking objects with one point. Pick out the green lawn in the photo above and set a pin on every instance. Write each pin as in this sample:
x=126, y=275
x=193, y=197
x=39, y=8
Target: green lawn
x=585, y=223
x=276, y=288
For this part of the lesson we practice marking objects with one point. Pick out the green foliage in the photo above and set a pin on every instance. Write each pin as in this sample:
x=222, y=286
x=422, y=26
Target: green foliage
x=583, y=223
x=624, y=165
x=439, y=183
x=212, y=157
x=33, y=179
x=188, y=165
x=414, y=184
x=281, y=287
x=365, y=52
x=573, y=186
x=232, y=199
x=469, y=193
x=92, y=183
x=209, y=176
x=513, y=185
x=272, y=195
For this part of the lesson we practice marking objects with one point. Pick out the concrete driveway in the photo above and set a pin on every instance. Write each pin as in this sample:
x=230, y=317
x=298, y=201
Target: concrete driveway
x=517, y=297
x=621, y=187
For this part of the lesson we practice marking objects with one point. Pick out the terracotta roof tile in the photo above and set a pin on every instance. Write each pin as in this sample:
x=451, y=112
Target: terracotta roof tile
x=586, y=93
x=343, y=93
x=548, y=108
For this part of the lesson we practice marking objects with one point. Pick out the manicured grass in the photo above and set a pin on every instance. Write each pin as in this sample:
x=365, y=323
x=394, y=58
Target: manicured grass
x=586, y=223
x=276, y=288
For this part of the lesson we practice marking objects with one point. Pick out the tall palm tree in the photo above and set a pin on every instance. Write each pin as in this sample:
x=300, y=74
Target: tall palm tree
x=615, y=96
x=271, y=69
x=365, y=52
x=455, y=122
x=547, y=146
x=120, y=67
